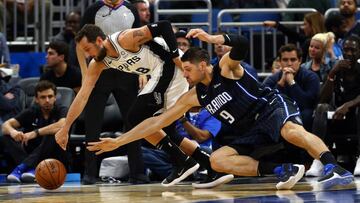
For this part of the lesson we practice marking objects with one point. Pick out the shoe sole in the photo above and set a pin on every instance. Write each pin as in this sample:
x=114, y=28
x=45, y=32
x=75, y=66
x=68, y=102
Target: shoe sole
x=27, y=178
x=183, y=176
x=292, y=180
x=313, y=174
x=337, y=180
x=12, y=179
x=220, y=181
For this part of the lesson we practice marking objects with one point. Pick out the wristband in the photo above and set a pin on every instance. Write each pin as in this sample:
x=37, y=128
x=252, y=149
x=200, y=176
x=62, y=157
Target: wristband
x=37, y=132
x=183, y=119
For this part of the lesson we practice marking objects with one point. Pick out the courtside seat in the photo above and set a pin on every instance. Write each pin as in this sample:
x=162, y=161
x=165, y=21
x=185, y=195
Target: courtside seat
x=28, y=85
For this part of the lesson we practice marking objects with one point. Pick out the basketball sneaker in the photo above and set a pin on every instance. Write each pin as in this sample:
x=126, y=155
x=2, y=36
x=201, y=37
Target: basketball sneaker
x=316, y=169
x=28, y=176
x=180, y=173
x=15, y=175
x=357, y=168
x=289, y=175
x=335, y=175
x=214, y=179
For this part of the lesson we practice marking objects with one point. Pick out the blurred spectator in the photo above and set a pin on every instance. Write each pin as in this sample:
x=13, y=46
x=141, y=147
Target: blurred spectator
x=320, y=5
x=183, y=43
x=336, y=23
x=276, y=65
x=142, y=7
x=72, y=26
x=23, y=8
x=313, y=24
x=340, y=93
x=60, y=72
x=321, y=54
x=282, y=3
x=221, y=49
x=296, y=82
x=348, y=9
x=10, y=98
x=198, y=125
x=4, y=51
x=29, y=136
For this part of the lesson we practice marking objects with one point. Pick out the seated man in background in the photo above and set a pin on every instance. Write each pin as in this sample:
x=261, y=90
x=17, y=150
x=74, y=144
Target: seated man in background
x=300, y=84
x=198, y=125
x=342, y=86
x=35, y=141
x=61, y=73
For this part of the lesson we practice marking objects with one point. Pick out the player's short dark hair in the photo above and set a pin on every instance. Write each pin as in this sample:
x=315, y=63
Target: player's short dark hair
x=61, y=48
x=289, y=48
x=45, y=85
x=91, y=32
x=196, y=55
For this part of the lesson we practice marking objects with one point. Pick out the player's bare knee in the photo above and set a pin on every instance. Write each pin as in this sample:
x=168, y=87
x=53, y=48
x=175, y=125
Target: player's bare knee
x=292, y=132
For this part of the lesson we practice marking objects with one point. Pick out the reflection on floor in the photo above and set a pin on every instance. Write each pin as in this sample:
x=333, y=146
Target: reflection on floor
x=240, y=190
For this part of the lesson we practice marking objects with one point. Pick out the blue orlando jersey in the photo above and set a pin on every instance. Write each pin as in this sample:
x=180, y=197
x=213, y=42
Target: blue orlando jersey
x=235, y=102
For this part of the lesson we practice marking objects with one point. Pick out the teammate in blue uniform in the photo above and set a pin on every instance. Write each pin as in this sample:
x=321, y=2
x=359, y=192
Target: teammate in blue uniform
x=236, y=98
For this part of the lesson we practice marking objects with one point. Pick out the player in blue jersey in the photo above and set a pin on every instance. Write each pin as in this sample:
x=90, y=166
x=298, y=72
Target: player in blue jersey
x=234, y=97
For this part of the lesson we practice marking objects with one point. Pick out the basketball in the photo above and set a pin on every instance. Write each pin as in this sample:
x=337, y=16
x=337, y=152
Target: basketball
x=50, y=174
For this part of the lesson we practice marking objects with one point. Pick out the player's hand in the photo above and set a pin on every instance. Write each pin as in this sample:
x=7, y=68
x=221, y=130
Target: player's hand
x=17, y=135
x=269, y=23
x=28, y=136
x=142, y=81
x=62, y=137
x=104, y=145
x=201, y=35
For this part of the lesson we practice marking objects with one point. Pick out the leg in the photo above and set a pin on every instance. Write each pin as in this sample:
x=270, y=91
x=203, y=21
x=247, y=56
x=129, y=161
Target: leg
x=334, y=174
x=227, y=160
x=125, y=93
x=93, y=115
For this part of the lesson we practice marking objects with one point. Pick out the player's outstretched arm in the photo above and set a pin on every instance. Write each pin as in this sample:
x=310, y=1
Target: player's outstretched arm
x=77, y=106
x=149, y=126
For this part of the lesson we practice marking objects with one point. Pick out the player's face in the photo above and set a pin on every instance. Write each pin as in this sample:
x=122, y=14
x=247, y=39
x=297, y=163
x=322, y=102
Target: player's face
x=289, y=59
x=90, y=49
x=53, y=58
x=144, y=12
x=192, y=73
x=316, y=49
x=221, y=50
x=46, y=99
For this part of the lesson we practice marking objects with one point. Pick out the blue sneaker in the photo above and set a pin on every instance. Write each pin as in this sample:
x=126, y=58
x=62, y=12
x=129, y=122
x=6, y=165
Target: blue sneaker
x=335, y=175
x=289, y=175
x=15, y=175
x=28, y=176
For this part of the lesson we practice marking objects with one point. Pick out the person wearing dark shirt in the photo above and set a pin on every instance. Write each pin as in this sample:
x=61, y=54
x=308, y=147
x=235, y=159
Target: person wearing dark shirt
x=348, y=9
x=300, y=84
x=234, y=97
x=61, y=73
x=341, y=94
x=29, y=136
x=72, y=26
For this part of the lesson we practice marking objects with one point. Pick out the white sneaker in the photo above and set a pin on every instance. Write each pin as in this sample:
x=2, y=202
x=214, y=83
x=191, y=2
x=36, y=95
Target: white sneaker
x=316, y=169
x=357, y=168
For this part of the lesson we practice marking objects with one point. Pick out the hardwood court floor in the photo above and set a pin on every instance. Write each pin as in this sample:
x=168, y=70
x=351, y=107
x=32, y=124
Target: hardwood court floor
x=240, y=190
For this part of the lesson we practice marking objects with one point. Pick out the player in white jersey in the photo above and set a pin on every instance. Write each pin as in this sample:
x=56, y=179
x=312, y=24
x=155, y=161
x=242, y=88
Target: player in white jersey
x=133, y=51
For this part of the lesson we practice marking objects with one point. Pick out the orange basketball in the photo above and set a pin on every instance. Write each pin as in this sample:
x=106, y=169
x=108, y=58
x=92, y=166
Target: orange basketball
x=50, y=174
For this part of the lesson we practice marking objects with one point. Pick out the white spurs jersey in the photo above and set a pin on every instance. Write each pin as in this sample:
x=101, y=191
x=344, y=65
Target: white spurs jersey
x=152, y=59
x=142, y=62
